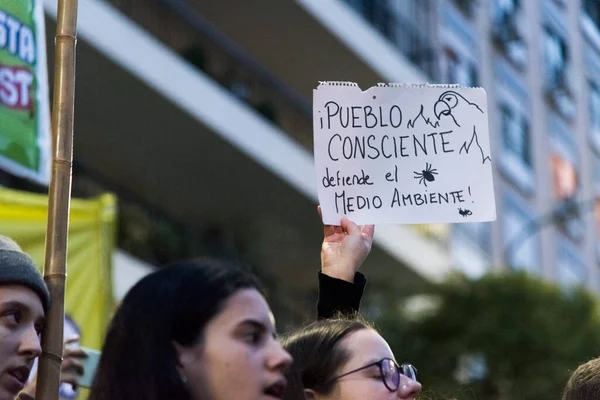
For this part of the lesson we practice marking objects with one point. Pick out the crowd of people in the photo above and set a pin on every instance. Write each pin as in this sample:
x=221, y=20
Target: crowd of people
x=203, y=330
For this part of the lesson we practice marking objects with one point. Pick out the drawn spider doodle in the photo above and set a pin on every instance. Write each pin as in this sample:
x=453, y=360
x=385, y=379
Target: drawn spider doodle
x=426, y=175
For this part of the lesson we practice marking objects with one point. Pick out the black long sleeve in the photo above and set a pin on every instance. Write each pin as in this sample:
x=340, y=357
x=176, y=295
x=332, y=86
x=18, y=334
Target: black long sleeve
x=339, y=296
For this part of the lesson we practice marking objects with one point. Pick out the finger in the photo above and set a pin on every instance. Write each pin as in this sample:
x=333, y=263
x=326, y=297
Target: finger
x=72, y=339
x=72, y=366
x=350, y=226
x=74, y=353
x=368, y=231
x=70, y=378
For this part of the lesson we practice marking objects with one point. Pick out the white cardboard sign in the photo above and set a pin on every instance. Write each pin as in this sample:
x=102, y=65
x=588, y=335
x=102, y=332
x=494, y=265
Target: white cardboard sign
x=406, y=154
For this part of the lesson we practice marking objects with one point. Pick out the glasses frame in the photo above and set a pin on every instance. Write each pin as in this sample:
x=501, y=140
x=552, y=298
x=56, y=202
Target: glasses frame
x=407, y=370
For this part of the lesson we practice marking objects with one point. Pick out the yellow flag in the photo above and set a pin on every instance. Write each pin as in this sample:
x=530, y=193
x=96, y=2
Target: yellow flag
x=89, y=301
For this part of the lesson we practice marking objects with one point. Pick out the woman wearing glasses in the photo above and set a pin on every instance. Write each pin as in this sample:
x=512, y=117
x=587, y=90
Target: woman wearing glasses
x=346, y=359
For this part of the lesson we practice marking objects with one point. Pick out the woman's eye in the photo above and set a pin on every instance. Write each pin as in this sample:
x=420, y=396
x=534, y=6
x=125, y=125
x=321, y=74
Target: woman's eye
x=253, y=337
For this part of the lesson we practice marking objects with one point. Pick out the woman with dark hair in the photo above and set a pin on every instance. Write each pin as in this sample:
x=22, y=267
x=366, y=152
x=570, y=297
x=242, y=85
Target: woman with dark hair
x=346, y=359
x=203, y=330
x=192, y=331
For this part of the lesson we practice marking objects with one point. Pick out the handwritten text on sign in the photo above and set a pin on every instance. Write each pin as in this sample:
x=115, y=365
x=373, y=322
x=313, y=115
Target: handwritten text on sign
x=407, y=154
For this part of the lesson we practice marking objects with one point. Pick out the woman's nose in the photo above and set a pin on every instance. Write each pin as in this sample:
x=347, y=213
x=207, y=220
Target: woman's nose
x=409, y=389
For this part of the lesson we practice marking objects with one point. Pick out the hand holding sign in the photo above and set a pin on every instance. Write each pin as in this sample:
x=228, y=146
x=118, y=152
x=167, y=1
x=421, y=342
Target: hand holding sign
x=402, y=154
x=345, y=248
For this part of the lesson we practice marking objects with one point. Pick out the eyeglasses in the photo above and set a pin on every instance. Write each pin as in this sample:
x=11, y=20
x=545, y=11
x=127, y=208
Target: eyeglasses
x=390, y=373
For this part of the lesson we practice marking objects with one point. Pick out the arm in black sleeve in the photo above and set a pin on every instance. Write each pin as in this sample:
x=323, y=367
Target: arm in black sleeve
x=339, y=296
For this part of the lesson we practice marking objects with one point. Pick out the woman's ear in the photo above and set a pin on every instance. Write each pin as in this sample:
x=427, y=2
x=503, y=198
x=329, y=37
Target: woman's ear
x=184, y=358
x=184, y=354
x=309, y=394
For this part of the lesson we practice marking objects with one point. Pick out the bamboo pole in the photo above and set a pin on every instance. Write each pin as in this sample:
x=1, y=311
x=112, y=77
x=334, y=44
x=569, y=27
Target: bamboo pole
x=55, y=267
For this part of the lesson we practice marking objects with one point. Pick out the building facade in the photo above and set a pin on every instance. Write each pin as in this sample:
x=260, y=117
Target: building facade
x=538, y=61
x=197, y=114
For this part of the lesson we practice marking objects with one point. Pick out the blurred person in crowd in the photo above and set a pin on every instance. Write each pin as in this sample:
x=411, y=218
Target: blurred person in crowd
x=71, y=366
x=24, y=301
x=193, y=330
x=346, y=359
x=584, y=383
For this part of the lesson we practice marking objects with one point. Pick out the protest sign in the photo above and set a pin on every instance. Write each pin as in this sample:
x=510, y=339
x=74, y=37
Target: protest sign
x=409, y=154
x=24, y=111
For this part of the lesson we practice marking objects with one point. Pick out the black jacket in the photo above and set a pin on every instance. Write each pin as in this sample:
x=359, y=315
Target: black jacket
x=338, y=296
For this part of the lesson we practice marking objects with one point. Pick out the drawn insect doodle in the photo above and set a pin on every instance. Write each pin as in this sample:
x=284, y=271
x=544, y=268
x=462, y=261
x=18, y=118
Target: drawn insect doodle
x=426, y=175
x=465, y=213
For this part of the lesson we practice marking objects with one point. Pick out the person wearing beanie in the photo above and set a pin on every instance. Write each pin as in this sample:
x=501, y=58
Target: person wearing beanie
x=16, y=267
x=24, y=302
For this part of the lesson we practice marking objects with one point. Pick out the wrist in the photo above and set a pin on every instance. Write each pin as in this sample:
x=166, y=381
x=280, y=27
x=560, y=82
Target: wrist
x=339, y=273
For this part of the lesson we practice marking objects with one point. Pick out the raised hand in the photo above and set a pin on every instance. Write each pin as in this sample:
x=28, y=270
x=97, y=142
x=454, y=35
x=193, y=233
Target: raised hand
x=345, y=248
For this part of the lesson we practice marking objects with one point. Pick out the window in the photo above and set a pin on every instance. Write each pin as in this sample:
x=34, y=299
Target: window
x=517, y=158
x=556, y=58
x=505, y=31
x=407, y=24
x=565, y=183
x=558, y=80
x=592, y=9
x=520, y=239
x=506, y=8
x=471, y=248
x=594, y=110
x=515, y=134
x=596, y=207
x=590, y=22
x=460, y=70
x=571, y=270
x=466, y=6
x=564, y=177
x=479, y=233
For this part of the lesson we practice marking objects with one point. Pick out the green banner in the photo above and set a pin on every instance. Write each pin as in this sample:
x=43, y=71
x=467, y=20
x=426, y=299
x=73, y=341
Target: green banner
x=24, y=111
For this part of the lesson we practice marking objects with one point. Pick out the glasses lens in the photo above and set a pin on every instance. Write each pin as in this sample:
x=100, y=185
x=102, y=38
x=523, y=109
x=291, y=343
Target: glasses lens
x=409, y=371
x=391, y=375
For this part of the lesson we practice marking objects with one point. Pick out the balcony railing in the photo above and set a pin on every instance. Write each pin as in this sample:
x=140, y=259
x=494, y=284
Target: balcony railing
x=178, y=26
x=408, y=28
x=182, y=29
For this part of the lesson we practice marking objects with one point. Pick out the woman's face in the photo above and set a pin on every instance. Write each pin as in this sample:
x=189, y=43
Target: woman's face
x=366, y=347
x=238, y=357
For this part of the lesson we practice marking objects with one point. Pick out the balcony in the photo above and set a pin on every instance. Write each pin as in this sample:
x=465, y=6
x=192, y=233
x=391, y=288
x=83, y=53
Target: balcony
x=408, y=27
x=214, y=145
x=324, y=35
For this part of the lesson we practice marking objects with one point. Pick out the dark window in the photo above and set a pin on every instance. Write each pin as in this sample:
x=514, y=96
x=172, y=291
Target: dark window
x=592, y=9
x=515, y=134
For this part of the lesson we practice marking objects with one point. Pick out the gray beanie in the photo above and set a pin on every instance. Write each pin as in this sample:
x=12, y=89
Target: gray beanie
x=16, y=267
